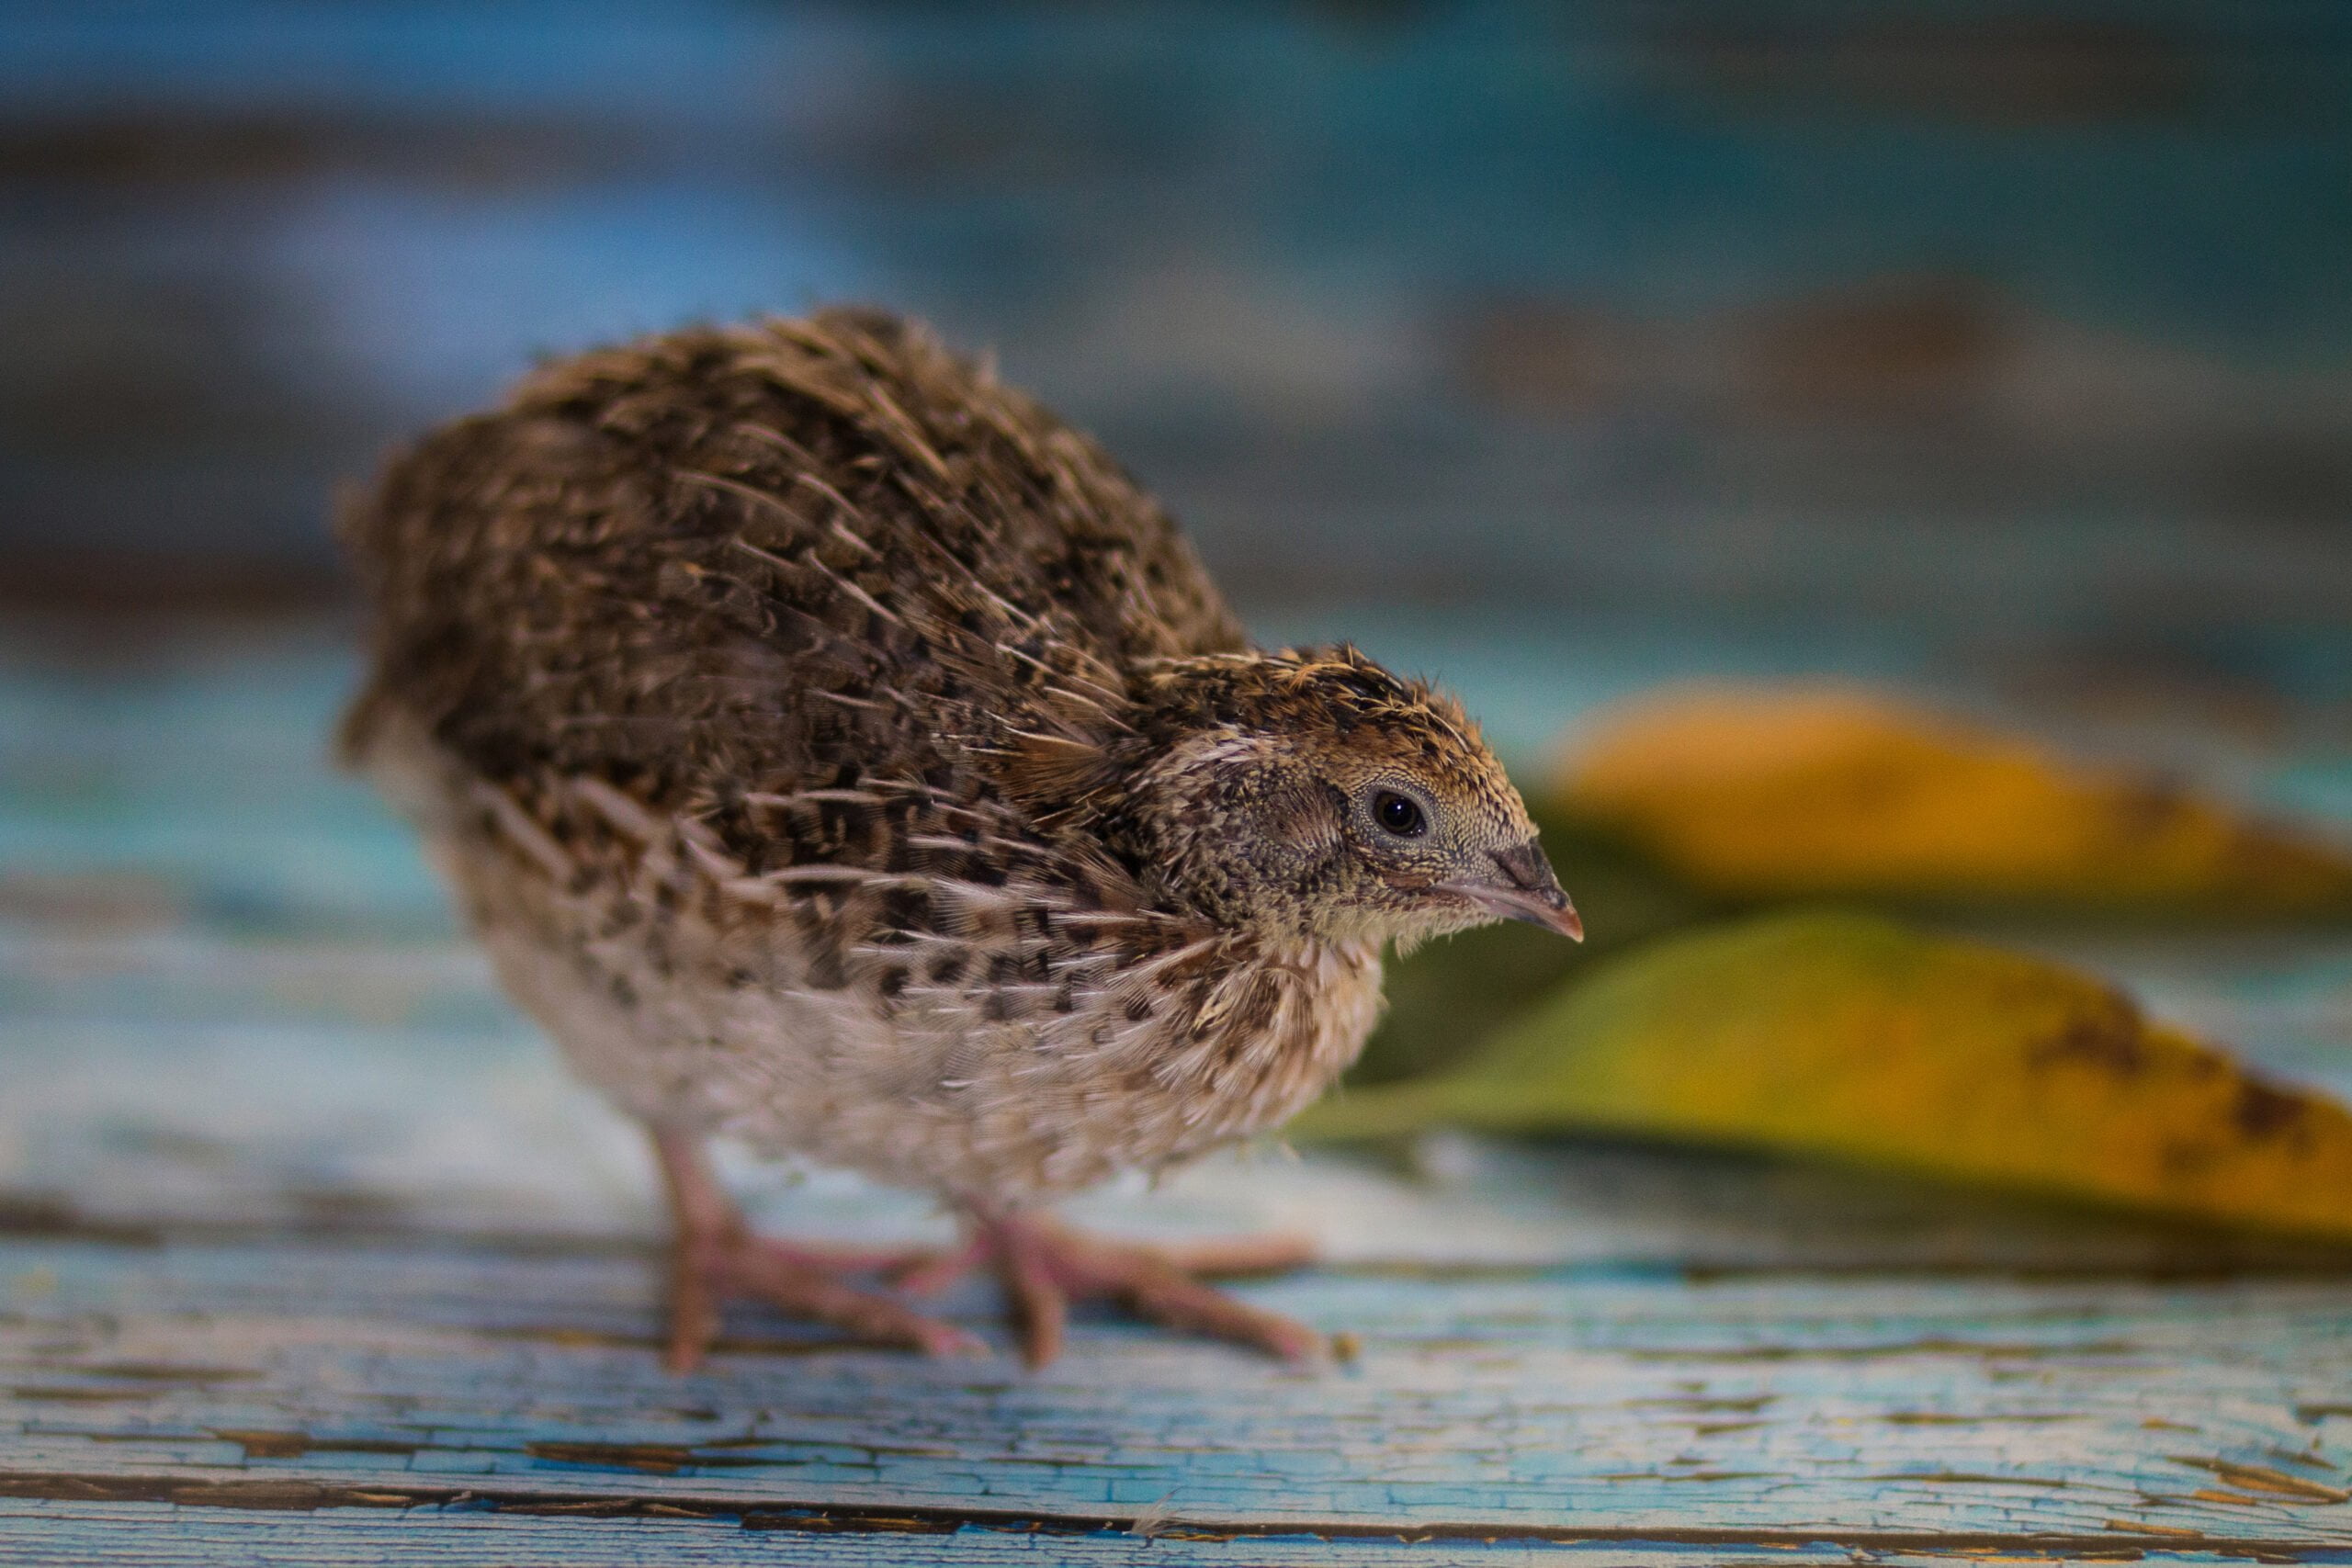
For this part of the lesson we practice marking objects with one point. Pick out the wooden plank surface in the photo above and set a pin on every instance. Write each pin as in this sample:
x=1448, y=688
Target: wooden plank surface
x=307, y=1249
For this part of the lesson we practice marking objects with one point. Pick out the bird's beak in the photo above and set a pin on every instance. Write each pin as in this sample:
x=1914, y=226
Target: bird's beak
x=1523, y=888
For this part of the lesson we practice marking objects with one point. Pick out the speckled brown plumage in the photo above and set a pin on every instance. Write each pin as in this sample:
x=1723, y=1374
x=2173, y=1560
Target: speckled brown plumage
x=835, y=751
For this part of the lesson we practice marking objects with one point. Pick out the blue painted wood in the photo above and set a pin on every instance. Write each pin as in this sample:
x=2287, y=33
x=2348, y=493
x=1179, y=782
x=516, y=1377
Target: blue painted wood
x=161, y=1537
x=295, y=1214
x=1574, y=1403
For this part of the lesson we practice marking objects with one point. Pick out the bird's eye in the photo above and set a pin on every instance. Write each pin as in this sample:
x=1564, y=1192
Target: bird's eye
x=1397, y=814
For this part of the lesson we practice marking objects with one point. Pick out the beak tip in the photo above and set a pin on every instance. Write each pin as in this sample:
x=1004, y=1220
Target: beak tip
x=1530, y=891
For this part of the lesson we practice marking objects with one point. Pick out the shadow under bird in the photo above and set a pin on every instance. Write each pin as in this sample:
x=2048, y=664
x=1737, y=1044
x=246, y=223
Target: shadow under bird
x=836, y=751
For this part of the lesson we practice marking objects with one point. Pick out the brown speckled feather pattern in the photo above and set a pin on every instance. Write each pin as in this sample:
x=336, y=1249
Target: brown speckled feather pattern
x=746, y=683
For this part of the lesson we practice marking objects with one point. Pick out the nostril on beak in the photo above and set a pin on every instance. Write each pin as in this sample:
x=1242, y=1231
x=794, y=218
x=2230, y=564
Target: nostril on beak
x=1526, y=867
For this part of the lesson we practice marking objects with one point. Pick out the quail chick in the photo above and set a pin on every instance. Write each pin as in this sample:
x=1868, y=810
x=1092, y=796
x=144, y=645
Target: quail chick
x=834, y=751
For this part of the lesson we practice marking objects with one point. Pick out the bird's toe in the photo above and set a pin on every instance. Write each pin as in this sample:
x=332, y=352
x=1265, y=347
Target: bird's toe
x=1045, y=1266
x=802, y=1282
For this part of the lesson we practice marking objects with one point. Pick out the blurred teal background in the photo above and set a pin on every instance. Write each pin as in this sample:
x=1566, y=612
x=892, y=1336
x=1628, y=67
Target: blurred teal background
x=2023, y=331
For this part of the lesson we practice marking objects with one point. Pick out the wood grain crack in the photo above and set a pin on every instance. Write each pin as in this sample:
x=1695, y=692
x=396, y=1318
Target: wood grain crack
x=830, y=1519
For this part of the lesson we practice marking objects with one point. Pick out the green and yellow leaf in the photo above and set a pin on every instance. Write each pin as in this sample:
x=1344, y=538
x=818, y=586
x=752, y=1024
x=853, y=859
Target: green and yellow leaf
x=1856, y=1038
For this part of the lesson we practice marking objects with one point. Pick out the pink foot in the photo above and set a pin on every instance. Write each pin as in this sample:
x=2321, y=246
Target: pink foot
x=717, y=1258
x=1046, y=1266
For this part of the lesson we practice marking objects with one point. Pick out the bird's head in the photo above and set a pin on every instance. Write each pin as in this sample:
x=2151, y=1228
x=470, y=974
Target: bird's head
x=1314, y=793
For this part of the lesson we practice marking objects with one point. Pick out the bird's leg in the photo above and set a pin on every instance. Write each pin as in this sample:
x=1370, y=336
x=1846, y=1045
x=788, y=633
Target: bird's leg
x=1045, y=1266
x=715, y=1255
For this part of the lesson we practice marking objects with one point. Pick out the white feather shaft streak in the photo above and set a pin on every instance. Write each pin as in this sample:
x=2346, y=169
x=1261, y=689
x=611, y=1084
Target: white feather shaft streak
x=616, y=809
x=752, y=493
x=1114, y=919
x=859, y=595
x=840, y=530
x=846, y=701
x=518, y=829
x=798, y=875
x=849, y=796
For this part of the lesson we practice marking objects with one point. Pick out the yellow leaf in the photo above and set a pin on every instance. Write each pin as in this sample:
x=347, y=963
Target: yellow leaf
x=1789, y=793
x=1850, y=1037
